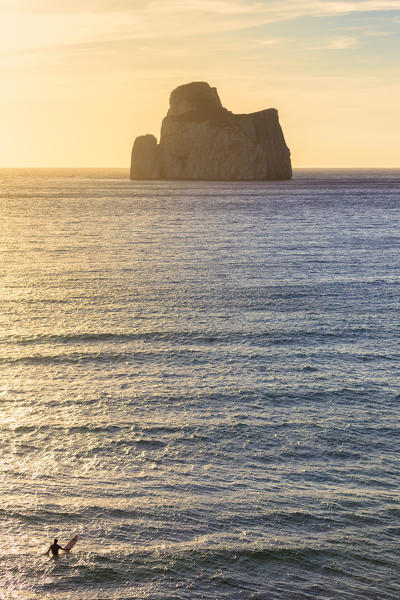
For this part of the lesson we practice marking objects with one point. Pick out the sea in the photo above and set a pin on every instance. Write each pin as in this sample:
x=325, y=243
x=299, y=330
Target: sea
x=201, y=380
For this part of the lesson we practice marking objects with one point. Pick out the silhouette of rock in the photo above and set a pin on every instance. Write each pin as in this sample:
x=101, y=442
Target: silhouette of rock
x=145, y=158
x=200, y=139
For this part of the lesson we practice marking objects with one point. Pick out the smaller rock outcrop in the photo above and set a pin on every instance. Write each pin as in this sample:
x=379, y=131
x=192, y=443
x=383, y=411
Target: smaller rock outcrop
x=200, y=139
x=145, y=158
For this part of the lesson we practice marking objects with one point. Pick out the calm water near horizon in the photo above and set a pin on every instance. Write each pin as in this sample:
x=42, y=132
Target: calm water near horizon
x=201, y=379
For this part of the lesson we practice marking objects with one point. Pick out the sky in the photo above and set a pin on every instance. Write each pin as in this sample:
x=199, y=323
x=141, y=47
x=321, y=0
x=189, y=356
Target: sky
x=80, y=79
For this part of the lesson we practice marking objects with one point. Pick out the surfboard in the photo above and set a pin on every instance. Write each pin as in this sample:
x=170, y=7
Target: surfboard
x=71, y=543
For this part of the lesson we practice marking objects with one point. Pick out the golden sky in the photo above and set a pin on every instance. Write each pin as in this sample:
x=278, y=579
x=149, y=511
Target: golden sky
x=82, y=78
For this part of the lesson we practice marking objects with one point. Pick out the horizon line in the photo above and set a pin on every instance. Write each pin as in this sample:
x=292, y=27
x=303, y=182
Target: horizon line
x=127, y=168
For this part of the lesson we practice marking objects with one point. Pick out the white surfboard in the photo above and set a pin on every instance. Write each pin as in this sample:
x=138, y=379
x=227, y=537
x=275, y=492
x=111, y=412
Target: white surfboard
x=71, y=543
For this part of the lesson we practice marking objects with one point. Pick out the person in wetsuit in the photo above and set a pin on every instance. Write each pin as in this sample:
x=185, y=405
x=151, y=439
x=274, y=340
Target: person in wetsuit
x=54, y=548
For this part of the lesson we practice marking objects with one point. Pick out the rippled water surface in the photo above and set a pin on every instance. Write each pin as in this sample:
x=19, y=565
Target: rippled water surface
x=202, y=381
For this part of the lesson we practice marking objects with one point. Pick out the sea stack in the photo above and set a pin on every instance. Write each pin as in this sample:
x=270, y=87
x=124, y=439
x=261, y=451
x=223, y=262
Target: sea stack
x=202, y=140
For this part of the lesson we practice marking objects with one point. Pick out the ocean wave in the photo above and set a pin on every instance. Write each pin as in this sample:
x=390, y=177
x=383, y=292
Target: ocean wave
x=278, y=336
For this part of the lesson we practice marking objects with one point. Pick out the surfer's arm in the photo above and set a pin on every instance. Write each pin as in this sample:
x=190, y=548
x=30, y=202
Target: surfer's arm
x=47, y=553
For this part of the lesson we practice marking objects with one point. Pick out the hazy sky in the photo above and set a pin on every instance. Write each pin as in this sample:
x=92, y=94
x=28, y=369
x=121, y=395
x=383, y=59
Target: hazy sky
x=81, y=78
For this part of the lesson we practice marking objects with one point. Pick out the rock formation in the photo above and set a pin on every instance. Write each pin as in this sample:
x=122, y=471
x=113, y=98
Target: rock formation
x=200, y=139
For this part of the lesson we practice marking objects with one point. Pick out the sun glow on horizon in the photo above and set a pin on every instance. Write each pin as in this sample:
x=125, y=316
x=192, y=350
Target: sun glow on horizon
x=81, y=82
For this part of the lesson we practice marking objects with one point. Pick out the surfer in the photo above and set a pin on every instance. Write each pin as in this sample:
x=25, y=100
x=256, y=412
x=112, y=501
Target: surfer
x=54, y=548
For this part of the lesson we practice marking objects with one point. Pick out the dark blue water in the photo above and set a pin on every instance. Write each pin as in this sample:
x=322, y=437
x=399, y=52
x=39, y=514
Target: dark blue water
x=202, y=381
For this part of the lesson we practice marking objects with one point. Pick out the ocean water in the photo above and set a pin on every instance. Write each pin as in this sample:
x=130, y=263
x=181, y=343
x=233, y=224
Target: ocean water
x=202, y=381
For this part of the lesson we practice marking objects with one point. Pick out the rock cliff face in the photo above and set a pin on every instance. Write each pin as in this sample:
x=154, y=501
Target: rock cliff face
x=200, y=139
